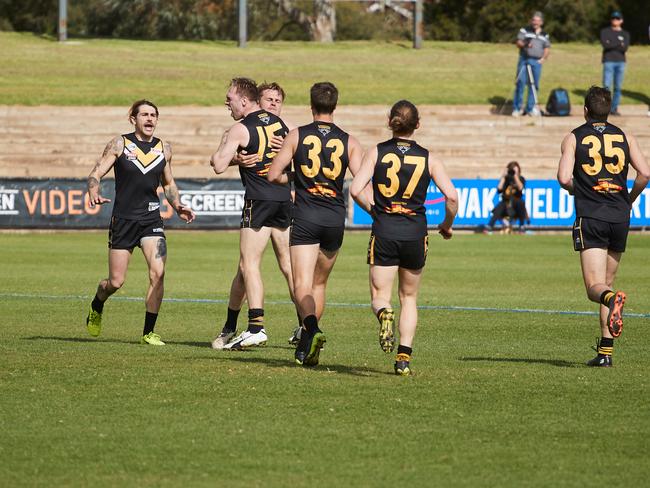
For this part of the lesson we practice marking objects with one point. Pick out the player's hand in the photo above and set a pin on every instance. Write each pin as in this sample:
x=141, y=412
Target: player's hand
x=246, y=160
x=276, y=142
x=445, y=232
x=185, y=213
x=97, y=200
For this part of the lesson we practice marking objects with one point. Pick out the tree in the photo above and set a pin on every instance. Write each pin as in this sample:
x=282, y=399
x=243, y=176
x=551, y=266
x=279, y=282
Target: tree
x=320, y=24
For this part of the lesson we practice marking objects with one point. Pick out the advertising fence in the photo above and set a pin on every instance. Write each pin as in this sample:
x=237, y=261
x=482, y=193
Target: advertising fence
x=63, y=203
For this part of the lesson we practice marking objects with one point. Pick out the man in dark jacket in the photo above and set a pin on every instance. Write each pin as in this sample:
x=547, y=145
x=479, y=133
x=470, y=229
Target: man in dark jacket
x=615, y=42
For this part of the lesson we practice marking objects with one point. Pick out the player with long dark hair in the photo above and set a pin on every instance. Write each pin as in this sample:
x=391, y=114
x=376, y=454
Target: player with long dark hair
x=401, y=171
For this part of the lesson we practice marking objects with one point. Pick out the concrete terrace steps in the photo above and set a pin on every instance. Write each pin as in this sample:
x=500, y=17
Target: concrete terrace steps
x=49, y=141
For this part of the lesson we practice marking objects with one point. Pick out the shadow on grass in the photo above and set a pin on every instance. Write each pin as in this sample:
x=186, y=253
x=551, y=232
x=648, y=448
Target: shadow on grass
x=500, y=105
x=552, y=362
x=208, y=345
x=638, y=96
x=634, y=95
x=78, y=339
x=289, y=363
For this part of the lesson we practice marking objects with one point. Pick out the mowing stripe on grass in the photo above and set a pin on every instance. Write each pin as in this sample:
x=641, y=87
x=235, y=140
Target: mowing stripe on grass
x=332, y=304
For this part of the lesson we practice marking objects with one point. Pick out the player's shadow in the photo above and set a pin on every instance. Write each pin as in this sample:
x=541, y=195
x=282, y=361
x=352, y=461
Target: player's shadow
x=560, y=363
x=78, y=339
x=326, y=368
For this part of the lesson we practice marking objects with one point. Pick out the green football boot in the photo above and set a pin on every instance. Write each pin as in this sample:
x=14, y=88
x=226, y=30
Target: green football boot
x=94, y=323
x=152, y=339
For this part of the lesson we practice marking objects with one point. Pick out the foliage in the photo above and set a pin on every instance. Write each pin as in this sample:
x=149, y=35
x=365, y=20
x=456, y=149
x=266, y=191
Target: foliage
x=470, y=20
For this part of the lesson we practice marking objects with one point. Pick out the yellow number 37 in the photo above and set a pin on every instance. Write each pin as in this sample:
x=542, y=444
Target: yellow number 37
x=611, y=151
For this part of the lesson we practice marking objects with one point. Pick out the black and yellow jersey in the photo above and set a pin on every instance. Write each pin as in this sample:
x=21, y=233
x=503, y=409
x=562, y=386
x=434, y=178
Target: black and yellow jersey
x=400, y=183
x=600, y=172
x=262, y=126
x=138, y=172
x=320, y=163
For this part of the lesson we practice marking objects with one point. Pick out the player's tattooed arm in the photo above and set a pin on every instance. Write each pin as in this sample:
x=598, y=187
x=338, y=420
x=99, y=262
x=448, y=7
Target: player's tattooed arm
x=111, y=152
x=173, y=195
x=231, y=141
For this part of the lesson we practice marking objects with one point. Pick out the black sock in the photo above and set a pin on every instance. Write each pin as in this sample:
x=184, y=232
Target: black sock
x=606, y=297
x=255, y=320
x=299, y=321
x=606, y=346
x=98, y=305
x=311, y=323
x=231, y=320
x=149, y=322
x=404, y=350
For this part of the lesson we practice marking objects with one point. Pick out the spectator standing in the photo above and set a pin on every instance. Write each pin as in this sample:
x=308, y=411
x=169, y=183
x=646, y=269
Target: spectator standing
x=534, y=47
x=615, y=41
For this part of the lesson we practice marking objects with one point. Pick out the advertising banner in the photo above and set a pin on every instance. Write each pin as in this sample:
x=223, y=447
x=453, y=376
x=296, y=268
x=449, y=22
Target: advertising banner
x=548, y=205
x=63, y=203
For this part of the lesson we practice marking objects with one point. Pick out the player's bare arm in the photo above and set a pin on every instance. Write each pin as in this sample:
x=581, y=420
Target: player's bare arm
x=355, y=156
x=171, y=190
x=641, y=167
x=231, y=141
x=567, y=161
x=111, y=152
x=362, y=178
x=447, y=188
x=282, y=160
x=242, y=158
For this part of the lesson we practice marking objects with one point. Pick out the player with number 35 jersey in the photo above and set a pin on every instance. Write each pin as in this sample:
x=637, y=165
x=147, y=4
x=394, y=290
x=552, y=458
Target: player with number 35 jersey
x=594, y=165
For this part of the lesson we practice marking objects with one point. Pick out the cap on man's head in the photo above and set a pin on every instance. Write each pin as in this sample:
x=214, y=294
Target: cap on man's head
x=617, y=15
x=538, y=14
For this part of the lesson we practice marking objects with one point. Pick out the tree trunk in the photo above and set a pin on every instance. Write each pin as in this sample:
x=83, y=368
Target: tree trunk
x=321, y=26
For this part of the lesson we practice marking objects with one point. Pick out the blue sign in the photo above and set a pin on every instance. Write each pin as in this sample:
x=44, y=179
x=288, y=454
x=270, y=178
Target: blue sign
x=548, y=204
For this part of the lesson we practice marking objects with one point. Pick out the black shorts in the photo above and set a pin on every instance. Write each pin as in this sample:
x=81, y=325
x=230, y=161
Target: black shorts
x=127, y=234
x=591, y=233
x=405, y=254
x=266, y=213
x=305, y=232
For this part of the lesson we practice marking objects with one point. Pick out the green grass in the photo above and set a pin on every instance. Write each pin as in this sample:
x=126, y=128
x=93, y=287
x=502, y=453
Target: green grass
x=115, y=72
x=498, y=399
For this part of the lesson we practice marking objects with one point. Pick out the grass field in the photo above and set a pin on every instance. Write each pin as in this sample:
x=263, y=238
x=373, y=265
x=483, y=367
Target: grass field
x=498, y=398
x=115, y=72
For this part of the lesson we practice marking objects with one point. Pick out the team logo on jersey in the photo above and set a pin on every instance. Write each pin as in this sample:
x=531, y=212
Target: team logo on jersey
x=606, y=186
x=154, y=206
x=600, y=127
x=398, y=208
x=322, y=191
x=144, y=162
x=264, y=118
x=403, y=147
x=324, y=130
